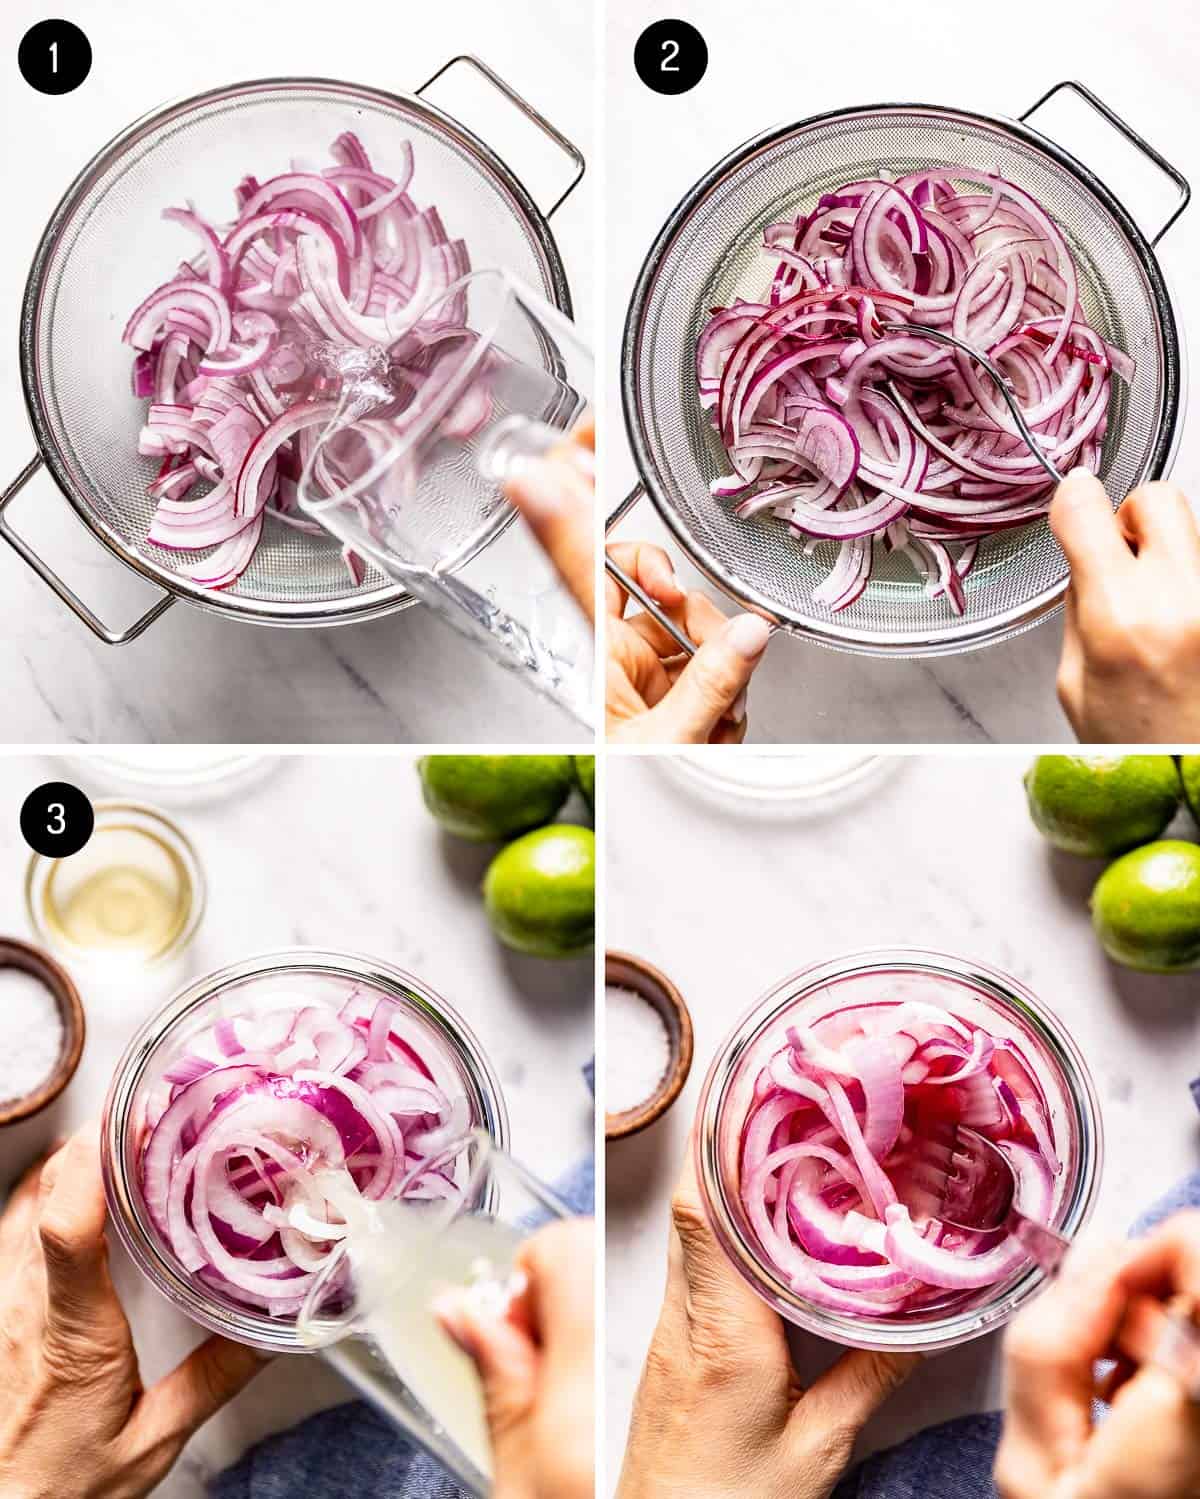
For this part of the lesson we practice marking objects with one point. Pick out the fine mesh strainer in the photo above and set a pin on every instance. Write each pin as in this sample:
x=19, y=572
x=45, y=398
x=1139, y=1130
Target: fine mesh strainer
x=106, y=246
x=709, y=253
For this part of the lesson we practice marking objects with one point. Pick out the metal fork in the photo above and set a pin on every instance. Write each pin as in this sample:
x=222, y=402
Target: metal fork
x=998, y=377
x=981, y=1196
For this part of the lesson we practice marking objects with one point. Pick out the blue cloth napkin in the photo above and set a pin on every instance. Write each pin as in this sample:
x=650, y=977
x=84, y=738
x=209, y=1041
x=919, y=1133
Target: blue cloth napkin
x=954, y=1460
x=351, y=1452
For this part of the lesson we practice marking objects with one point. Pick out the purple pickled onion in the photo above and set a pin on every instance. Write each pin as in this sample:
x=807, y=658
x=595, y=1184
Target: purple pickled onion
x=848, y=1153
x=342, y=260
x=853, y=434
x=260, y=1117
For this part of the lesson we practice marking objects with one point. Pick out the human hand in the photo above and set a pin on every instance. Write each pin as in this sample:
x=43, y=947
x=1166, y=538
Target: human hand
x=556, y=496
x=1148, y=1446
x=655, y=695
x=536, y=1364
x=720, y=1411
x=75, y=1419
x=1130, y=666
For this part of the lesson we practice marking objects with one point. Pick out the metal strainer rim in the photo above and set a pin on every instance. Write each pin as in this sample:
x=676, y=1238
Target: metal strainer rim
x=351, y=608
x=963, y=634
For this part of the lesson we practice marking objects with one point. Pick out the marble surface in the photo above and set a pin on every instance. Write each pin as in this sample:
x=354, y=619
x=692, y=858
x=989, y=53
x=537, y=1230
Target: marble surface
x=941, y=854
x=406, y=677
x=1141, y=60
x=332, y=852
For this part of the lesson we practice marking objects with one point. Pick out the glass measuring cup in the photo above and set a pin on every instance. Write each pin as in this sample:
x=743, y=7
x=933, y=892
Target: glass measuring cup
x=409, y=471
x=371, y=1311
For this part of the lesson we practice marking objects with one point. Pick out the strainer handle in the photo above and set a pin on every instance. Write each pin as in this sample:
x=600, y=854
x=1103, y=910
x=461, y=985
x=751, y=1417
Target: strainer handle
x=568, y=148
x=69, y=597
x=1131, y=135
x=638, y=492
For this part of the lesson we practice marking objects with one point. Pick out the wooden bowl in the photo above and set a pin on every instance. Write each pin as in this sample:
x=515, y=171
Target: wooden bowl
x=14, y=954
x=624, y=971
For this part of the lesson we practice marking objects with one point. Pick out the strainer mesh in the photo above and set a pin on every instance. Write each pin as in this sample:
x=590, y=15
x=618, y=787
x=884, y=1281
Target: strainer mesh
x=714, y=255
x=111, y=248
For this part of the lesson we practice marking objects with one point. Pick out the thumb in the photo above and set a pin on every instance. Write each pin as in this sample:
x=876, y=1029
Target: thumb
x=554, y=494
x=504, y=1356
x=1085, y=526
x=169, y=1413
x=711, y=682
x=81, y=1300
x=849, y=1393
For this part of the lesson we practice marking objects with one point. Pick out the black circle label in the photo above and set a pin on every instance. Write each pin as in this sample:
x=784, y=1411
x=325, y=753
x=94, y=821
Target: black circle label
x=54, y=57
x=671, y=57
x=57, y=820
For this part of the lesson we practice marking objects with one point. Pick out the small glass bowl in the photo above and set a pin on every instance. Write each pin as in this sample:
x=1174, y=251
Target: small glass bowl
x=304, y=976
x=889, y=975
x=146, y=842
x=182, y=774
x=765, y=784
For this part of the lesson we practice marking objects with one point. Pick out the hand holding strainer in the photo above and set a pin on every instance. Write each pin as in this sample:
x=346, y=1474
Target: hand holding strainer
x=709, y=255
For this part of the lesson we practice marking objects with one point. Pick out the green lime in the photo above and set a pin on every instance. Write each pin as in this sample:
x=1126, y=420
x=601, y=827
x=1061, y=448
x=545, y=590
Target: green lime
x=1146, y=908
x=585, y=777
x=540, y=892
x=1189, y=774
x=1102, y=804
x=489, y=797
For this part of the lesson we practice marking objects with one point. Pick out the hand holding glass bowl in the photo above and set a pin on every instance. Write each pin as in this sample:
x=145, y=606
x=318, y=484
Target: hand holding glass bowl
x=268, y=1106
x=778, y=1165
x=832, y=1220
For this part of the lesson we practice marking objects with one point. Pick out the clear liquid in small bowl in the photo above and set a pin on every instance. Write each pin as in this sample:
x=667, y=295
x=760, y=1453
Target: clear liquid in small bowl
x=126, y=893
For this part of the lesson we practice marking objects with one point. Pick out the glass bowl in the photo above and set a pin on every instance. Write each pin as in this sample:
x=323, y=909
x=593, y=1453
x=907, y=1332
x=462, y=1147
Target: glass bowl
x=182, y=774
x=297, y=976
x=981, y=995
x=132, y=898
x=762, y=783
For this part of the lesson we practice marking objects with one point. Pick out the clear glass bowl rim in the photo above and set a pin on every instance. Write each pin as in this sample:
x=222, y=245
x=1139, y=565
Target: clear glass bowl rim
x=955, y=1328
x=138, y=1236
x=709, y=770
x=212, y=773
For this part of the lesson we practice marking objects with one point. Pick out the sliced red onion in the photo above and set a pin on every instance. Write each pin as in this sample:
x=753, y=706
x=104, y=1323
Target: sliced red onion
x=197, y=299
x=243, y=356
x=847, y=1156
x=852, y=434
x=266, y=1127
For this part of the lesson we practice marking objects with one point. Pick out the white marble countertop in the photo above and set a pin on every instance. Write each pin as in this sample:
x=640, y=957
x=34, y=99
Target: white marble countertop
x=1141, y=60
x=331, y=852
x=940, y=854
x=404, y=678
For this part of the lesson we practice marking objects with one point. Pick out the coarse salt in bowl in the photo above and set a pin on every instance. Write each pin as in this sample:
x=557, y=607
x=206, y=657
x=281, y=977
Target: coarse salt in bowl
x=646, y=1011
x=638, y=1050
x=41, y=1030
x=31, y=1034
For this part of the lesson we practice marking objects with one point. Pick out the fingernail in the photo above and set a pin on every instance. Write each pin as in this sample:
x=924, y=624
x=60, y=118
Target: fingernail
x=536, y=490
x=748, y=635
x=449, y=1310
x=582, y=460
x=666, y=571
x=737, y=709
